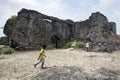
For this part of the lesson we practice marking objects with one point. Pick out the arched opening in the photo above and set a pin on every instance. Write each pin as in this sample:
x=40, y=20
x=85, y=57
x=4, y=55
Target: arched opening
x=88, y=39
x=54, y=40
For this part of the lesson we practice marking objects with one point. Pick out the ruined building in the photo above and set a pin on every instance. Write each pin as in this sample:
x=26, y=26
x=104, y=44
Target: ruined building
x=31, y=29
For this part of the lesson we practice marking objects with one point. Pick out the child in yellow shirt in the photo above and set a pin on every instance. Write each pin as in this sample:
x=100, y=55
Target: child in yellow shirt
x=41, y=57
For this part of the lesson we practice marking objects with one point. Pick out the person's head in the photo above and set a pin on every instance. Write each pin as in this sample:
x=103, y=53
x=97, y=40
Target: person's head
x=43, y=46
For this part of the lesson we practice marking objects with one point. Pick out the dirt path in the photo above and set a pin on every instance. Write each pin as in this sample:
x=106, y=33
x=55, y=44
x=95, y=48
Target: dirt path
x=19, y=66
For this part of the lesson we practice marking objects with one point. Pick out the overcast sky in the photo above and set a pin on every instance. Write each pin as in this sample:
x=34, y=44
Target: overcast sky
x=76, y=10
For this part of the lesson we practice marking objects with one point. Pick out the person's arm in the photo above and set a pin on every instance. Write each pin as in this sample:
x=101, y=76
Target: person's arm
x=44, y=55
x=39, y=56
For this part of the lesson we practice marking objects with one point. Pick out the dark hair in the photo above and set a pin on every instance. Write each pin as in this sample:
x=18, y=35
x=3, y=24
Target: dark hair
x=44, y=46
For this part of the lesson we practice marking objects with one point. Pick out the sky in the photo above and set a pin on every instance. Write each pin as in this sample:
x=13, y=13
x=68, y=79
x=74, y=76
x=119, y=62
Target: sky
x=76, y=10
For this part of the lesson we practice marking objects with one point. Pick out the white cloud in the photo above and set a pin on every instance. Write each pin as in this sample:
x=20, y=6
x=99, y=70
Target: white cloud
x=111, y=9
x=63, y=9
x=52, y=8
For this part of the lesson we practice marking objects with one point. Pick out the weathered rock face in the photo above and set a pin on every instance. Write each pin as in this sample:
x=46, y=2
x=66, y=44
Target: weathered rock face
x=32, y=29
x=101, y=33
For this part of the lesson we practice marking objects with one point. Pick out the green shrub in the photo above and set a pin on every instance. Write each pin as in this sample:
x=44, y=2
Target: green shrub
x=8, y=50
x=102, y=30
x=12, y=19
x=79, y=44
x=3, y=39
x=67, y=45
x=105, y=34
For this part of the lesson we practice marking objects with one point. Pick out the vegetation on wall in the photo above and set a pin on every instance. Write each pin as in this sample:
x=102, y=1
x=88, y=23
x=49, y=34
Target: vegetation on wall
x=105, y=34
x=12, y=19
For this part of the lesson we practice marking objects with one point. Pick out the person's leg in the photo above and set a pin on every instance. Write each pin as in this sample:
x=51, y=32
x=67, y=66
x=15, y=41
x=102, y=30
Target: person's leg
x=87, y=49
x=36, y=64
x=42, y=61
x=42, y=65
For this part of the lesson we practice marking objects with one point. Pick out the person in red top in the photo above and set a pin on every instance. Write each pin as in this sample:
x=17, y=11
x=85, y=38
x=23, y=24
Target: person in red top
x=87, y=46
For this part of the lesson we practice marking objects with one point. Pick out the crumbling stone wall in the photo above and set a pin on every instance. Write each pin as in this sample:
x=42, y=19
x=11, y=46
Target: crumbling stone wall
x=32, y=29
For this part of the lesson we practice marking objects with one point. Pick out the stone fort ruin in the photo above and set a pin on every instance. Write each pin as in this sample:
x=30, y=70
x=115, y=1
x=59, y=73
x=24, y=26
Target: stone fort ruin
x=31, y=29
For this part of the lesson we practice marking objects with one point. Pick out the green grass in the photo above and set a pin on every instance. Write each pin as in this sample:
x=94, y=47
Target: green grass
x=79, y=44
x=67, y=45
x=7, y=50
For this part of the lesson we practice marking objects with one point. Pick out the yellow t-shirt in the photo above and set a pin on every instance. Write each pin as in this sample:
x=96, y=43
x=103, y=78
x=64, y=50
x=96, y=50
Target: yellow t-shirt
x=42, y=54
